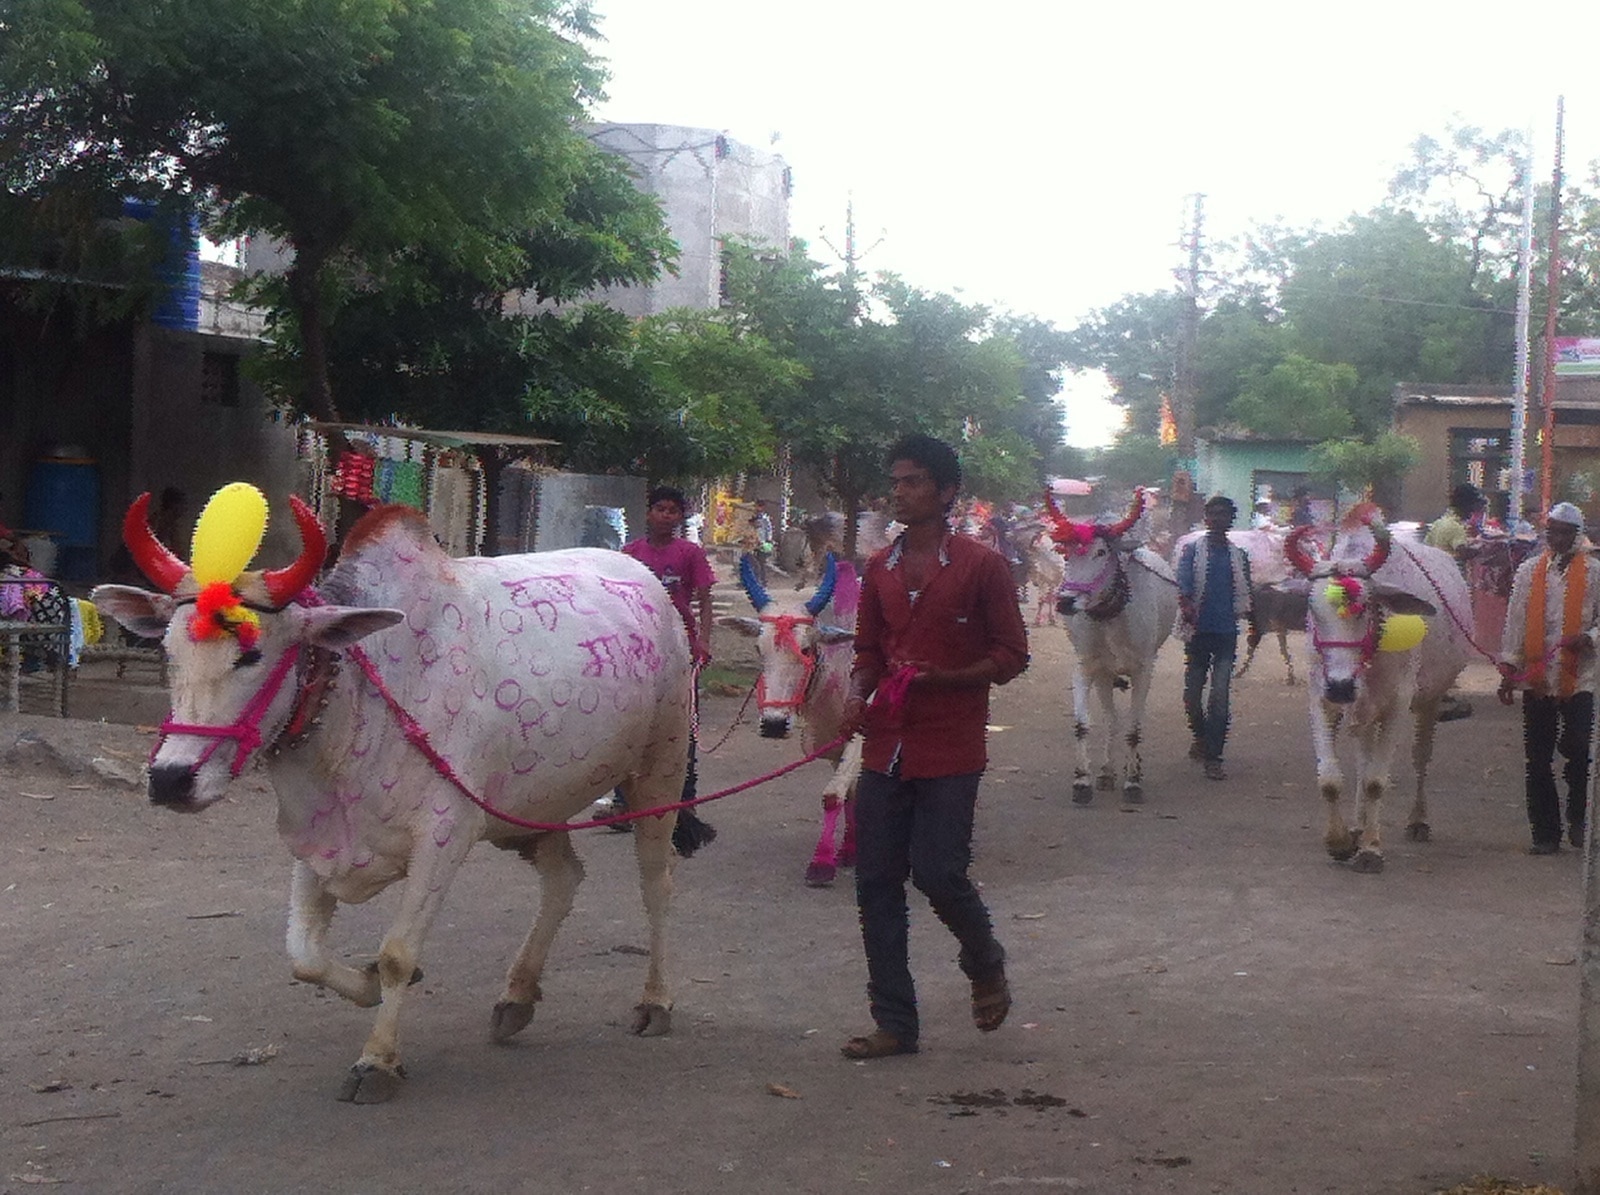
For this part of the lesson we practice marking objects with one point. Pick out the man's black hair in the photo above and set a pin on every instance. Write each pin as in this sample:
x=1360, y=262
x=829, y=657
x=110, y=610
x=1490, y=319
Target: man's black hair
x=1465, y=498
x=667, y=493
x=1222, y=500
x=934, y=455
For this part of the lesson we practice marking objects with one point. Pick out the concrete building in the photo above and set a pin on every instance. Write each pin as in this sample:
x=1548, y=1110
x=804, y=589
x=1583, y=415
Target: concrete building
x=711, y=188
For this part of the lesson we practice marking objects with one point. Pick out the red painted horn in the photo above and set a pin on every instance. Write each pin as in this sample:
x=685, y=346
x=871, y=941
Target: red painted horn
x=1382, y=542
x=1134, y=511
x=1294, y=549
x=285, y=584
x=1060, y=520
x=154, y=558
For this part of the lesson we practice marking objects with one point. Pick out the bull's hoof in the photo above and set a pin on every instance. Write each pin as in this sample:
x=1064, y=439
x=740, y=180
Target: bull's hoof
x=368, y=1083
x=416, y=973
x=1418, y=832
x=1342, y=850
x=1105, y=782
x=820, y=875
x=651, y=1020
x=1367, y=861
x=1082, y=794
x=508, y=1020
x=1133, y=794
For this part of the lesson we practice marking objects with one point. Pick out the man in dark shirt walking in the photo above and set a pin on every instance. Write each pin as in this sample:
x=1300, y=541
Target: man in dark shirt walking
x=938, y=625
x=1213, y=594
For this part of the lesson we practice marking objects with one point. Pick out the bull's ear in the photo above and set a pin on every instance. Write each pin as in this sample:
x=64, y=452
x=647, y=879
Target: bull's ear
x=745, y=626
x=832, y=635
x=340, y=626
x=1399, y=602
x=144, y=613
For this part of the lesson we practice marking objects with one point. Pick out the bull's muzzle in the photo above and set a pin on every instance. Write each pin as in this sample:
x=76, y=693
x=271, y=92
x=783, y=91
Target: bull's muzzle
x=775, y=727
x=172, y=786
x=1066, y=604
x=1340, y=692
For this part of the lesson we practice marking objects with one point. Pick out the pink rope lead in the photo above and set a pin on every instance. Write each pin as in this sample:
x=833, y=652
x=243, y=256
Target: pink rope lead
x=893, y=691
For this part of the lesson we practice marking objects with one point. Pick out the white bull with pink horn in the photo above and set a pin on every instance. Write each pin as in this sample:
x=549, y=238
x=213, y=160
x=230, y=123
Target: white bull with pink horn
x=805, y=674
x=408, y=707
x=1121, y=600
x=1387, y=631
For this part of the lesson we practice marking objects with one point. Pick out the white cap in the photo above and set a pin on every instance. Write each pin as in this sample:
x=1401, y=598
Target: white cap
x=1565, y=512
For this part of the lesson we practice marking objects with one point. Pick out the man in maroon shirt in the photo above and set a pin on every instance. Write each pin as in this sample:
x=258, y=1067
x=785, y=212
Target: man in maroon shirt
x=938, y=624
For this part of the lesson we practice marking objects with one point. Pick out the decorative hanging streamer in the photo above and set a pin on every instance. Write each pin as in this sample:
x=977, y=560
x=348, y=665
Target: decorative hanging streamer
x=228, y=533
x=218, y=612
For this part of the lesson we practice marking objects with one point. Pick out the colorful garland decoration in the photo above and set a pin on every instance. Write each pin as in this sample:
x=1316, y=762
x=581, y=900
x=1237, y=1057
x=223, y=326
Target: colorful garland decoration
x=219, y=611
x=1076, y=538
x=1345, y=596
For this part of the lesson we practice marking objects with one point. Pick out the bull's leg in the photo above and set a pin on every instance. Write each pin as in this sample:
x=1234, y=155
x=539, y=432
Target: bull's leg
x=1106, y=778
x=1082, y=792
x=310, y=914
x=1249, y=658
x=1283, y=650
x=652, y=847
x=560, y=873
x=1338, y=838
x=1376, y=742
x=438, y=853
x=1133, y=786
x=823, y=867
x=1427, y=714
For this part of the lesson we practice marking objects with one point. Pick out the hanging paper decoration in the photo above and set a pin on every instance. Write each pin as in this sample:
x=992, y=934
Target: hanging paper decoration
x=228, y=533
x=354, y=477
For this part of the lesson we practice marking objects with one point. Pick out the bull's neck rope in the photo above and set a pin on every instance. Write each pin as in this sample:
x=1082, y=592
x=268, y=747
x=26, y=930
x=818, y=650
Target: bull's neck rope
x=1068, y=585
x=783, y=639
x=245, y=730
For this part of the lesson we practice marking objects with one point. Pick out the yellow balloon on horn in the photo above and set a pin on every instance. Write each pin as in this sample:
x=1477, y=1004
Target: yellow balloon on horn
x=228, y=533
x=1402, y=632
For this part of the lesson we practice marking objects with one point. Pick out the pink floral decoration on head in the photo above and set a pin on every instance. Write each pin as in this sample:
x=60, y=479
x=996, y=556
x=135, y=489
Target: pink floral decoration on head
x=1073, y=538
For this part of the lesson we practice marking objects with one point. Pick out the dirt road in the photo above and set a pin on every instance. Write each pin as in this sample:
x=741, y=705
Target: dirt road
x=1205, y=1003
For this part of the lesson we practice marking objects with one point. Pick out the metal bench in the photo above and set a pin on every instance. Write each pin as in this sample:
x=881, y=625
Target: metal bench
x=35, y=651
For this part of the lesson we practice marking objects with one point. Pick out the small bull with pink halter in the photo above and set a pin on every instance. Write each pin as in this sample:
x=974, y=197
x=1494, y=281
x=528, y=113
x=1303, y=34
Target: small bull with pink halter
x=1121, y=601
x=805, y=673
x=539, y=681
x=1387, y=634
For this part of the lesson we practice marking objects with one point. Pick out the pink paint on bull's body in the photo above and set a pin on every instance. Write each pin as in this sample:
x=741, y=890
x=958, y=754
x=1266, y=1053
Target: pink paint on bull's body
x=543, y=680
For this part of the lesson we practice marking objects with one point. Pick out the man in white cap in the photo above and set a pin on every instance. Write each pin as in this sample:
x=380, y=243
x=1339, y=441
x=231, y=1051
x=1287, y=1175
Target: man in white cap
x=1548, y=651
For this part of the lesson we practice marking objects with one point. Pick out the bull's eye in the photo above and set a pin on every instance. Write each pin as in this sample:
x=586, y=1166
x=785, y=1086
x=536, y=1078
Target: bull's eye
x=247, y=658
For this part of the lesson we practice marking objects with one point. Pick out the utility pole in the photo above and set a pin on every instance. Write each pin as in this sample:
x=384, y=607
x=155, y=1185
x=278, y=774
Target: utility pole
x=851, y=257
x=1184, y=385
x=1552, y=298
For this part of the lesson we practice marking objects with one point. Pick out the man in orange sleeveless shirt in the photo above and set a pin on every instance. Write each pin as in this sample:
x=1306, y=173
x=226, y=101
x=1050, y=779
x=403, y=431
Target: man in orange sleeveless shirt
x=1548, y=651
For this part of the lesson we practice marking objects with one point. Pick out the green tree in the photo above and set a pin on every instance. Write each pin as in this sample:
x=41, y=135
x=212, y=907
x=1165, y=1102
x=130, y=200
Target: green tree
x=1296, y=399
x=1359, y=465
x=376, y=139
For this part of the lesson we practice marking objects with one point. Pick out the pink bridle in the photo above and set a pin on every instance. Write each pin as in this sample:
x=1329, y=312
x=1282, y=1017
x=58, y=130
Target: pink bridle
x=1080, y=587
x=245, y=730
x=784, y=639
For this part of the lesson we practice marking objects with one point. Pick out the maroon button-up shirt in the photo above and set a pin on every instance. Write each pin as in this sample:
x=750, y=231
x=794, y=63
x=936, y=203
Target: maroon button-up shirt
x=967, y=610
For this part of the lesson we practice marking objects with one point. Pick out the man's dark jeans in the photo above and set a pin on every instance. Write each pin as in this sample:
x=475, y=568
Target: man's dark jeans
x=921, y=830
x=1208, y=653
x=1550, y=724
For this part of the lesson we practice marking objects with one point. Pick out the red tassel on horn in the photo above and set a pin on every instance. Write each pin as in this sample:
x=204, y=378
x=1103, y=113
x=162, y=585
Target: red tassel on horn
x=1295, y=551
x=1060, y=520
x=285, y=584
x=1137, y=509
x=154, y=558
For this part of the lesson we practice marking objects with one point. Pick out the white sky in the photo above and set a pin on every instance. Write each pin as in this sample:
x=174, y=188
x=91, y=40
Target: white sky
x=1038, y=155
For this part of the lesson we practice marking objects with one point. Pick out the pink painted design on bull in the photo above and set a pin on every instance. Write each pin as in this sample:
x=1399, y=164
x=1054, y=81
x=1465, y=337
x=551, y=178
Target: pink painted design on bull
x=328, y=834
x=632, y=656
x=541, y=595
x=632, y=595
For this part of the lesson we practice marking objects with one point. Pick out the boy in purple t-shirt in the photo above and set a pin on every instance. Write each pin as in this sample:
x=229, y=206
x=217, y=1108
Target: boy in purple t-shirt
x=683, y=568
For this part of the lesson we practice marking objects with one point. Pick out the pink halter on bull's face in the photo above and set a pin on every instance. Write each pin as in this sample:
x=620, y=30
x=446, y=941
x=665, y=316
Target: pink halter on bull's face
x=1094, y=581
x=1348, y=607
x=231, y=636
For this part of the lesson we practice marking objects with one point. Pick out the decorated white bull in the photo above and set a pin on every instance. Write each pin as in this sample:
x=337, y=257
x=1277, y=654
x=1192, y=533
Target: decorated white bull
x=1387, y=632
x=521, y=686
x=1121, y=600
x=805, y=674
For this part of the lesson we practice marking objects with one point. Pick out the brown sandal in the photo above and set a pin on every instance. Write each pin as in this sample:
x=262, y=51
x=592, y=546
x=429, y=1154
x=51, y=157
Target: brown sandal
x=877, y=1044
x=991, y=1001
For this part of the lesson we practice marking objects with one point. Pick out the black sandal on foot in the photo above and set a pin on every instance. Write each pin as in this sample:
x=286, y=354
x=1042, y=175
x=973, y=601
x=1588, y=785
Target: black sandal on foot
x=877, y=1044
x=991, y=1001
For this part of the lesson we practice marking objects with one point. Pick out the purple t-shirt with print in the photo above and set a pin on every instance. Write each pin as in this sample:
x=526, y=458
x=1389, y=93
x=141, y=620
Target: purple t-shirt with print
x=682, y=567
